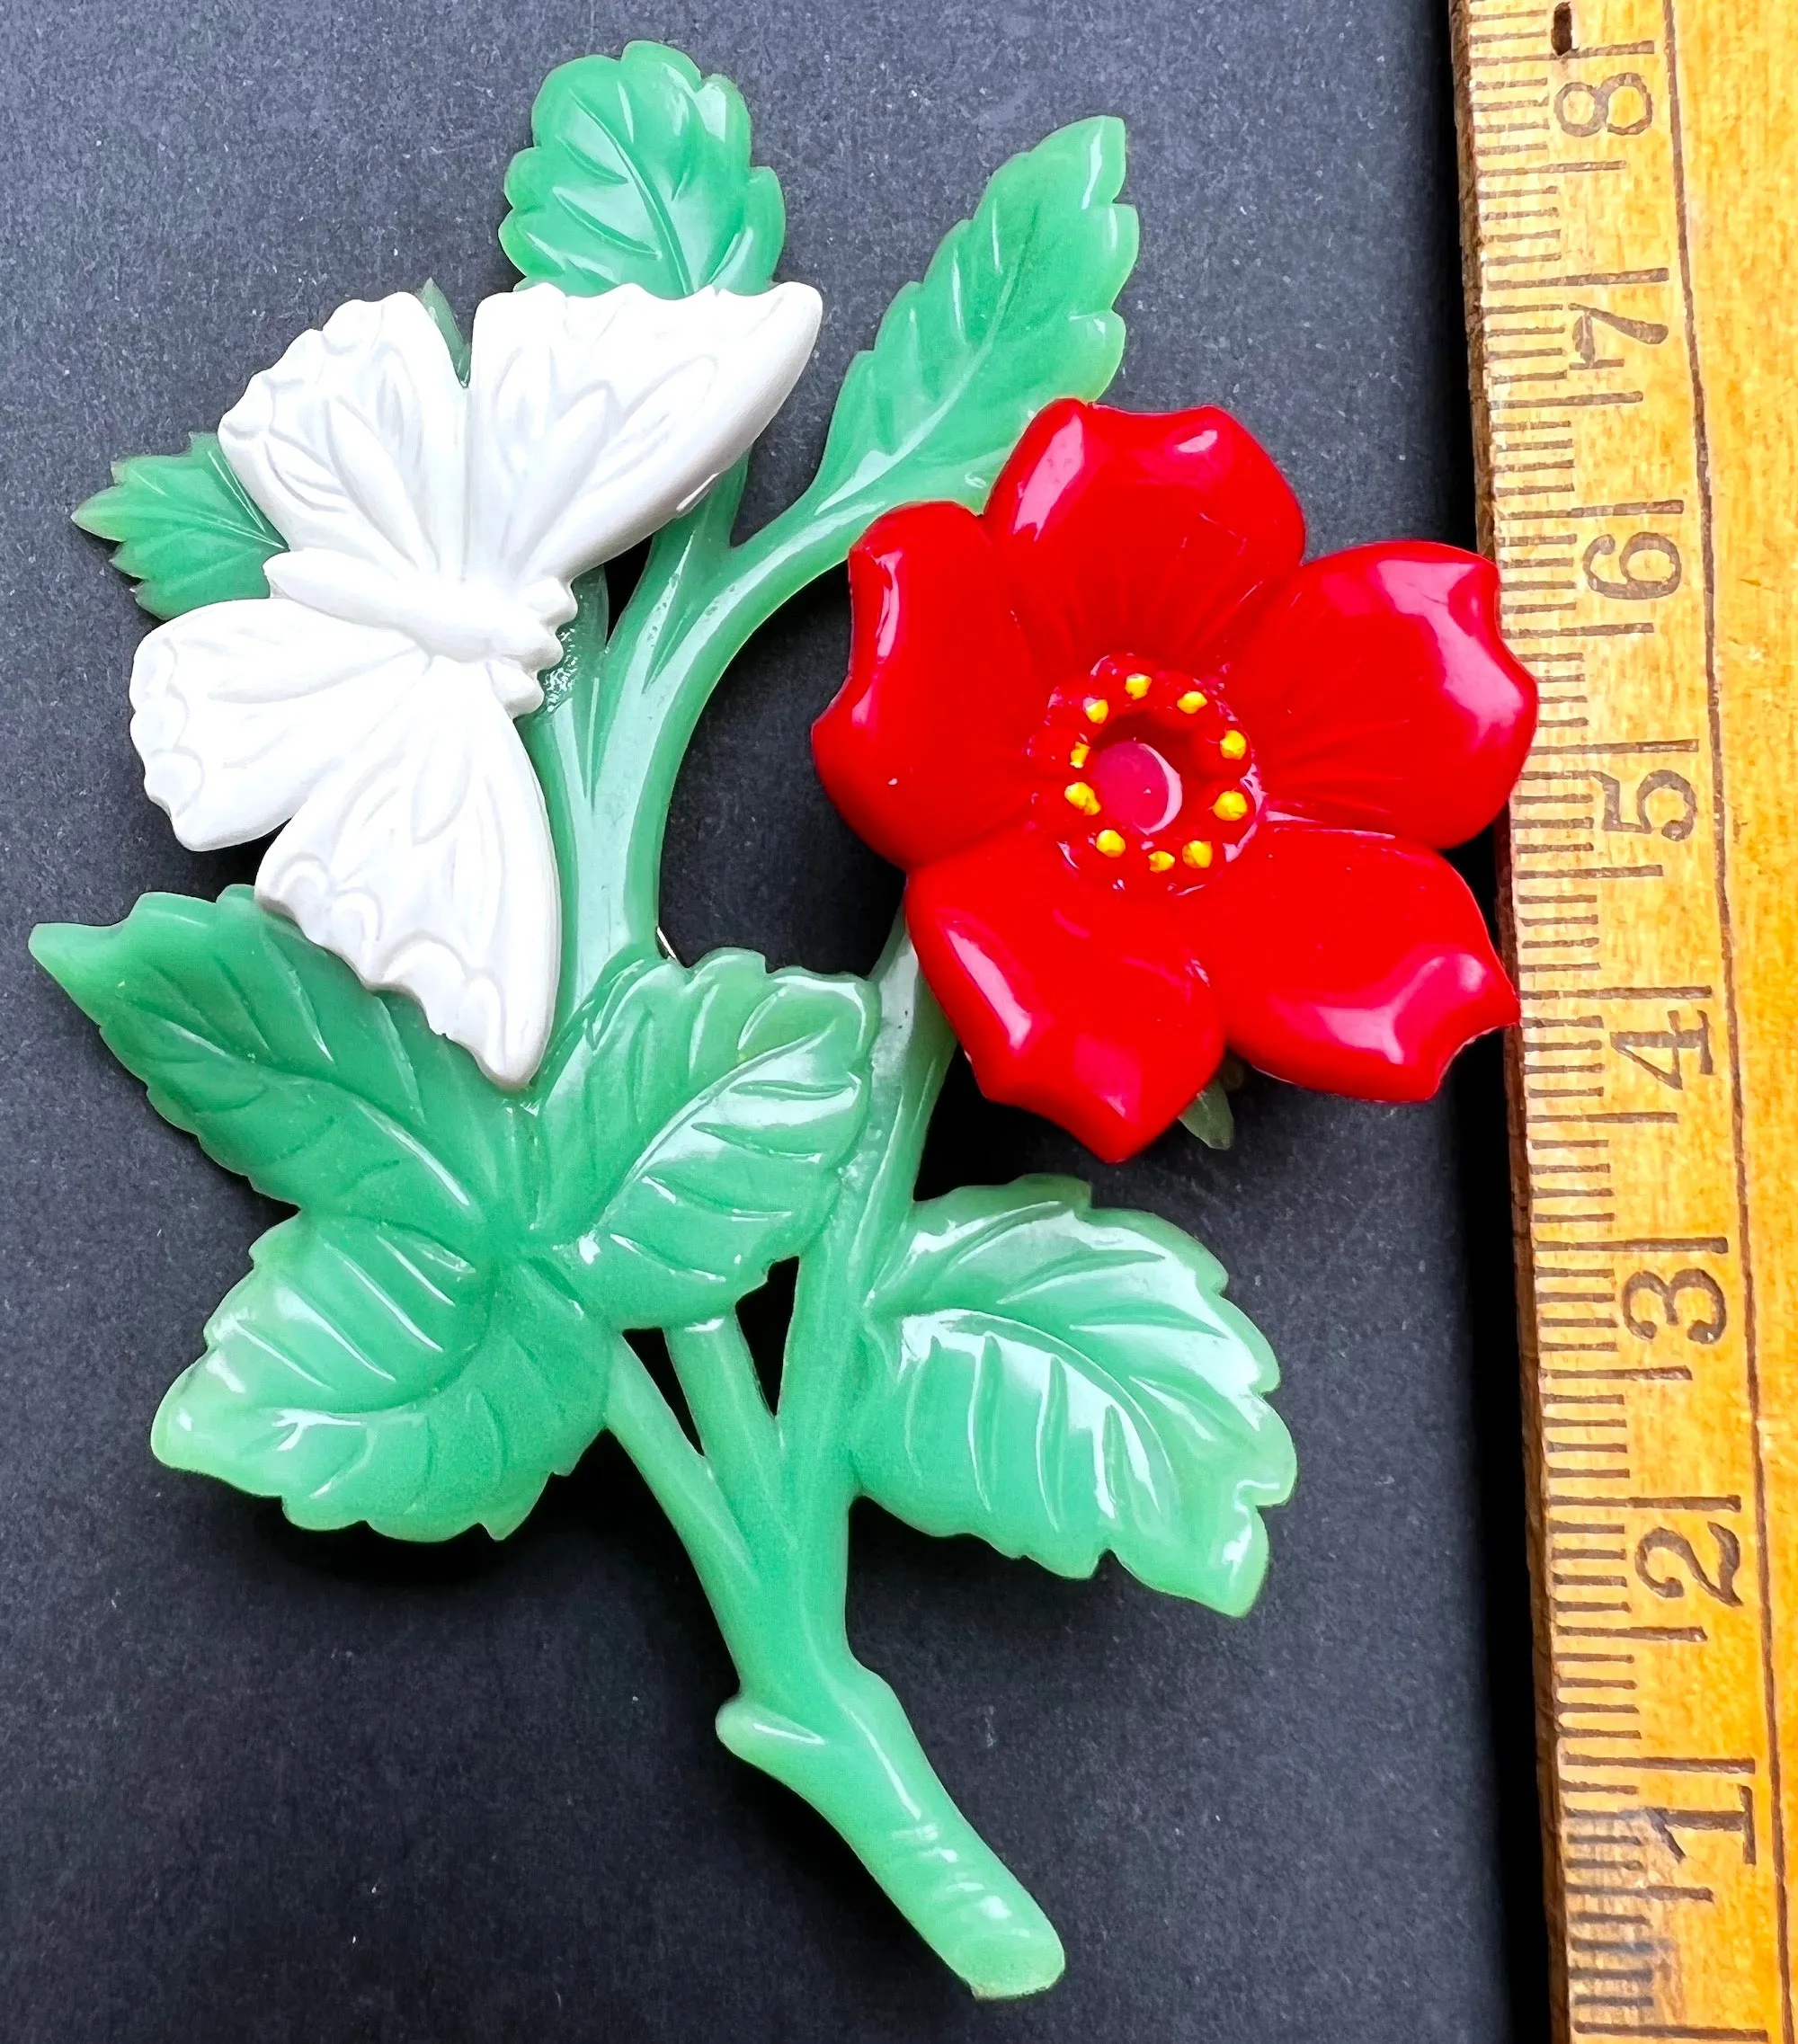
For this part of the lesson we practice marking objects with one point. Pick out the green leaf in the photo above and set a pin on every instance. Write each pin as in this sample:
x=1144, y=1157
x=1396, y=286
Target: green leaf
x=640, y=174
x=1014, y=311
x=288, y=1070
x=363, y=1371
x=185, y=529
x=1061, y=1382
x=430, y=295
x=690, y=1134
x=1209, y=1117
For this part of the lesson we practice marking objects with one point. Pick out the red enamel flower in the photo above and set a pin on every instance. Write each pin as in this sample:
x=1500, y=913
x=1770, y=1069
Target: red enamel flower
x=1159, y=788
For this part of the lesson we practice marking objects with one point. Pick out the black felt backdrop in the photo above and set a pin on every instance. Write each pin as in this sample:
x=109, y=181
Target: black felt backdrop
x=256, y=1784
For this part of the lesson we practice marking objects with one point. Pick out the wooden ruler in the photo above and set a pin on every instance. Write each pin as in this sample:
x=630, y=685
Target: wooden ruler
x=1630, y=185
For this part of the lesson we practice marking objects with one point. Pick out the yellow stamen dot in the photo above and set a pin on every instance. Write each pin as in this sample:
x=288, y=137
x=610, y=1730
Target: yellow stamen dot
x=1082, y=797
x=1233, y=745
x=1081, y=754
x=1097, y=709
x=1198, y=853
x=1191, y=703
x=1110, y=843
x=1136, y=686
x=1160, y=861
x=1231, y=806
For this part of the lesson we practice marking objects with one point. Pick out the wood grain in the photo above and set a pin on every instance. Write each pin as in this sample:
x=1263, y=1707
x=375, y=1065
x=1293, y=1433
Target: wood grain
x=1629, y=183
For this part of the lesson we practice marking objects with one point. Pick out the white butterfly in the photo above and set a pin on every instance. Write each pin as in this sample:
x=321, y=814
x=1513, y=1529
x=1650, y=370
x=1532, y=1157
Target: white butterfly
x=432, y=531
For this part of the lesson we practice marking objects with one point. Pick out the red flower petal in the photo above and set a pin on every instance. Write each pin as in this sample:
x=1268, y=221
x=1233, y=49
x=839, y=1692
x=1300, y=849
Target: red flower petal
x=1351, y=963
x=1138, y=533
x=923, y=749
x=1381, y=696
x=1070, y=999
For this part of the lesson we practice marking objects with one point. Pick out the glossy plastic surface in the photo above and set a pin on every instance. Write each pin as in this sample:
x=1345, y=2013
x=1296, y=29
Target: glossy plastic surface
x=442, y=1325
x=1161, y=789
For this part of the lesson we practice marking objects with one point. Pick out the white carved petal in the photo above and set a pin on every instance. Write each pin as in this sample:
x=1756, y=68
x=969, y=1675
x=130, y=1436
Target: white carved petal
x=353, y=441
x=592, y=421
x=425, y=861
x=240, y=710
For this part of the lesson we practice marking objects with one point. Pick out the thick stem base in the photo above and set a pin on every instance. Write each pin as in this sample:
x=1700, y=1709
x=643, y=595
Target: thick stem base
x=852, y=1754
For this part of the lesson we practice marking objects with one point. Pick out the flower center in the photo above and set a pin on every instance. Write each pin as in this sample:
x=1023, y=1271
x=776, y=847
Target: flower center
x=1147, y=778
x=1137, y=786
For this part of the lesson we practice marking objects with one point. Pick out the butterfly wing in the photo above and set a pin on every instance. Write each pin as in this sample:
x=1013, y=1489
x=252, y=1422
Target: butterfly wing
x=353, y=443
x=592, y=421
x=417, y=844
x=240, y=710
x=419, y=849
x=425, y=860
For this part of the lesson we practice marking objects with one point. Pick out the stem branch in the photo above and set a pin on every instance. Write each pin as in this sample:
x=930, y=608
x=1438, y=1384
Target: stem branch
x=724, y=1394
x=820, y=1376
x=607, y=754
x=682, y=1479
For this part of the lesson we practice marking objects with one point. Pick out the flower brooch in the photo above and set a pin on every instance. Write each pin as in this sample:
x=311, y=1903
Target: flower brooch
x=1159, y=787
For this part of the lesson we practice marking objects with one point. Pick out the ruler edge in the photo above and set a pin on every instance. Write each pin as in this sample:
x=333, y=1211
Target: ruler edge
x=1536, y=1526
x=1726, y=912
x=1548, y=1789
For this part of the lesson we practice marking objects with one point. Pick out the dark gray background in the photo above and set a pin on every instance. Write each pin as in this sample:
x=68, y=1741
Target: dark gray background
x=262, y=1785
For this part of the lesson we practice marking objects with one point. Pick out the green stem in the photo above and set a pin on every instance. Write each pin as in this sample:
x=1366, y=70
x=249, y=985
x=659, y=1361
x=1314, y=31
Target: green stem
x=845, y=1747
x=764, y=1515
x=608, y=743
x=809, y=1714
x=683, y=1482
x=819, y=1379
x=671, y=673
x=764, y=1512
x=724, y=1394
